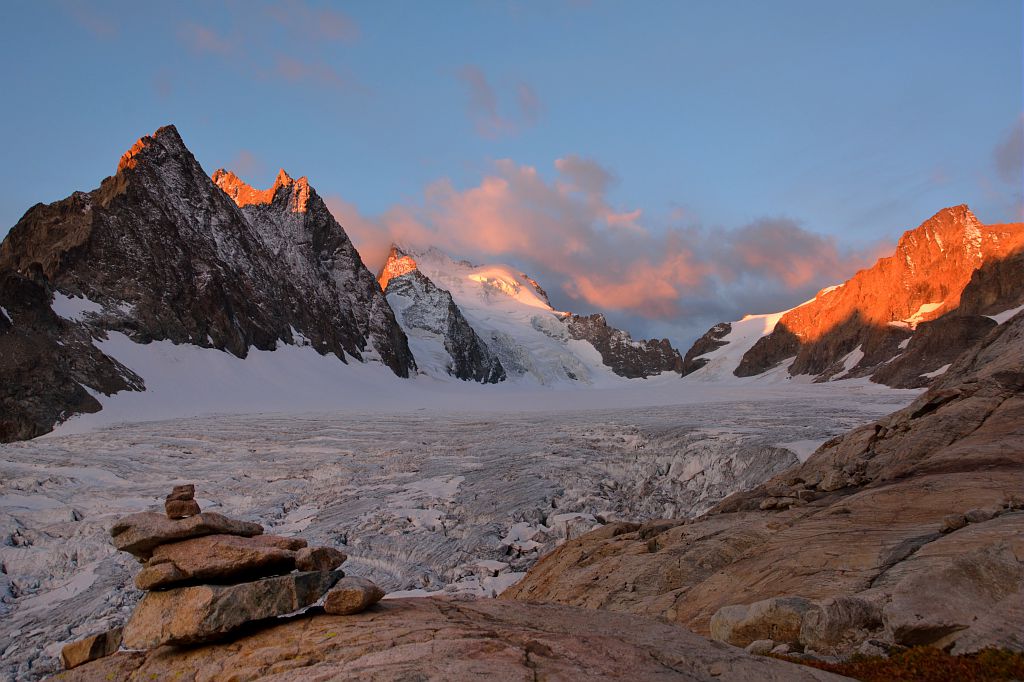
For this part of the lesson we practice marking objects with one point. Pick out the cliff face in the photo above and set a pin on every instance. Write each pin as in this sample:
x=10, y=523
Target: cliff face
x=159, y=251
x=316, y=255
x=924, y=502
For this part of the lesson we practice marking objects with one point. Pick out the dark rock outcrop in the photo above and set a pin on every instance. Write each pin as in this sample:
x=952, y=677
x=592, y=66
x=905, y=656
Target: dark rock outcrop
x=711, y=340
x=626, y=357
x=47, y=362
x=162, y=253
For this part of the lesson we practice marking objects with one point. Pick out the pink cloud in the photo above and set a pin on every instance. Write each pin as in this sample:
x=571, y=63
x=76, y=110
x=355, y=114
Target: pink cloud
x=566, y=232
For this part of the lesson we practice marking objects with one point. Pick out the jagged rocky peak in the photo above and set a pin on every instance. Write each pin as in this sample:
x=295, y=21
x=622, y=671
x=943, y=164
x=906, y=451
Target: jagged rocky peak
x=398, y=263
x=900, y=321
x=244, y=194
x=160, y=252
x=626, y=357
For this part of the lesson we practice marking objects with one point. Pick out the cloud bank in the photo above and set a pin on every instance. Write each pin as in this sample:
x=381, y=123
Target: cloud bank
x=591, y=255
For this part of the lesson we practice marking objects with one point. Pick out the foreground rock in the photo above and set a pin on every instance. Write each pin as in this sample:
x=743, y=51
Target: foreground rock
x=352, y=595
x=439, y=639
x=90, y=648
x=775, y=620
x=187, y=615
x=139, y=534
x=860, y=530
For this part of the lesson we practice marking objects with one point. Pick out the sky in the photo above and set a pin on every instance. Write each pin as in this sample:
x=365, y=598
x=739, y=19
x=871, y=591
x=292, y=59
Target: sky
x=672, y=164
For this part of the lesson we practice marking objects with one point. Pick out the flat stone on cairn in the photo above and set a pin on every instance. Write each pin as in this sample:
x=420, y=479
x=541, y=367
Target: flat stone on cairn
x=190, y=615
x=181, y=502
x=216, y=559
x=139, y=534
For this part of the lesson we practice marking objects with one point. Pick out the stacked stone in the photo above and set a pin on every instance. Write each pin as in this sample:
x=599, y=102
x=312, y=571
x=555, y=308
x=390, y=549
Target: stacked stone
x=205, y=575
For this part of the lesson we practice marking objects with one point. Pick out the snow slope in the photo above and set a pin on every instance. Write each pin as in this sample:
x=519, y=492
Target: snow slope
x=183, y=380
x=723, y=360
x=511, y=313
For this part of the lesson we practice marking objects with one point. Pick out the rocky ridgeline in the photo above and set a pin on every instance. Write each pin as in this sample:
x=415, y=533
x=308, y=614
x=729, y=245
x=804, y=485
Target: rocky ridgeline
x=207, y=575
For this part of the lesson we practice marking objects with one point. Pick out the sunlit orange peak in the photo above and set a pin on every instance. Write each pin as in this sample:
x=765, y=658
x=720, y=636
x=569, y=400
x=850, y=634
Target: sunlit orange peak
x=397, y=264
x=244, y=194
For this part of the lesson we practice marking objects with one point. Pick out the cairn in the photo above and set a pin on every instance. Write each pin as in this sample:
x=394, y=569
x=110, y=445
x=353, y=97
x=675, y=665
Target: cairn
x=206, y=575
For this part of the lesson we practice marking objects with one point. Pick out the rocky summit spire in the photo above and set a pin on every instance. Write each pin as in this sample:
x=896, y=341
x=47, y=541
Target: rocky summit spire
x=296, y=193
x=397, y=264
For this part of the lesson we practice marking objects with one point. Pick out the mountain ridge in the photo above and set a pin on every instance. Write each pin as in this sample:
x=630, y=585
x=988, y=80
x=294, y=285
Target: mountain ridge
x=159, y=252
x=857, y=328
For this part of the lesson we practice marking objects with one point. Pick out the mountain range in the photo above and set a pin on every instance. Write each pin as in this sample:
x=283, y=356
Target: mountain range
x=162, y=251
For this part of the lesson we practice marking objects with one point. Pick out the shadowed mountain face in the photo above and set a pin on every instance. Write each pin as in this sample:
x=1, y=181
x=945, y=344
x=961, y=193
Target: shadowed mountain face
x=159, y=251
x=901, y=320
x=626, y=357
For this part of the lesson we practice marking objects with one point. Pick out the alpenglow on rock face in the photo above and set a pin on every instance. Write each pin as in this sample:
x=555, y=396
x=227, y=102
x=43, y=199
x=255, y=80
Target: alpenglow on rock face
x=160, y=252
x=900, y=322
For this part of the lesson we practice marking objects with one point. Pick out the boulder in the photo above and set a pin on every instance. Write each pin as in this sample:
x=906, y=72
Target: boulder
x=138, y=534
x=936, y=602
x=352, y=595
x=952, y=522
x=837, y=621
x=760, y=647
x=778, y=619
x=179, y=509
x=90, y=648
x=980, y=515
x=188, y=615
x=214, y=558
x=319, y=559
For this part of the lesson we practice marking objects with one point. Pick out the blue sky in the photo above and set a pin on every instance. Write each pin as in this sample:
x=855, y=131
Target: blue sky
x=619, y=138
